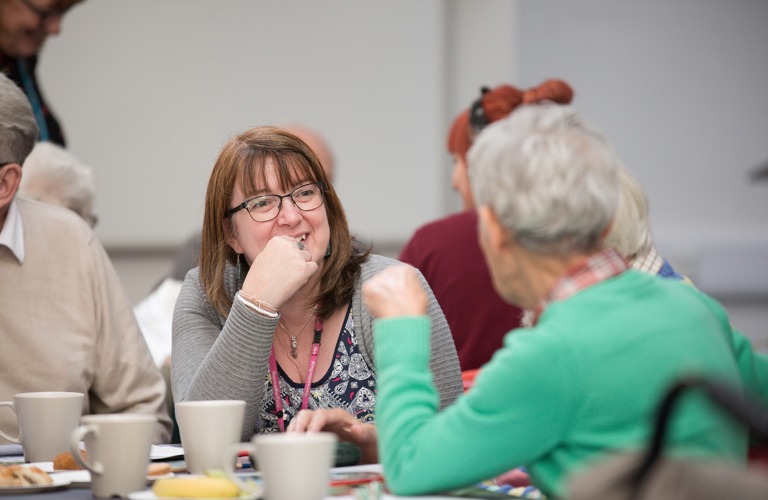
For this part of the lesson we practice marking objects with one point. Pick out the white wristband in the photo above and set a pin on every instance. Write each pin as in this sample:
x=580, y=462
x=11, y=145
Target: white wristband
x=255, y=307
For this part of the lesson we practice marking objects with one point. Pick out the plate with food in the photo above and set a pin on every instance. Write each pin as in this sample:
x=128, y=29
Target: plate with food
x=22, y=479
x=64, y=466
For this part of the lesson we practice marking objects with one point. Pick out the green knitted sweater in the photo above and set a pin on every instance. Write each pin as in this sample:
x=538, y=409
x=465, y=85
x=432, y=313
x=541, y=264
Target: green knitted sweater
x=586, y=380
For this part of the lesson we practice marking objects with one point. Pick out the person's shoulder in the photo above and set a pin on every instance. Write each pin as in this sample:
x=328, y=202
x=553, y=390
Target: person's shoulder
x=375, y=263
x=686, y=288
x=51, y=219
x=193, y=275
x=441, y=237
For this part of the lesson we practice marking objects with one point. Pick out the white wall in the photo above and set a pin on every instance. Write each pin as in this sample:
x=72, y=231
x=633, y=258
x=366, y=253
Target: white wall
x=680, y=90
x=149, y=91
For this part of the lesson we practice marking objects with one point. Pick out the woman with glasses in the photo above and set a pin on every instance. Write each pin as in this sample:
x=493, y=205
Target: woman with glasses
x=277, y=298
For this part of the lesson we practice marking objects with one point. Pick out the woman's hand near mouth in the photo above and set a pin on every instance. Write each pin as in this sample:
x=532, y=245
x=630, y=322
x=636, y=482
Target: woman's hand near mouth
x=278, y=271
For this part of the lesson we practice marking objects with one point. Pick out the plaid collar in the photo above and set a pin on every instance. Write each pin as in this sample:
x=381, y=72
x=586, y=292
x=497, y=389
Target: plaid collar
x=650, y=264
x=605, y=264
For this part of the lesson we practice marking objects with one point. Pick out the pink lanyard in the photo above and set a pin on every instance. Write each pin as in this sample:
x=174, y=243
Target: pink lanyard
x=310, y=373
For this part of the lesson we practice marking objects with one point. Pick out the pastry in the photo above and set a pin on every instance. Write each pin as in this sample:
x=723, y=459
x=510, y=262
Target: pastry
x=65, y=461
x=158, y=469
x=23, y=475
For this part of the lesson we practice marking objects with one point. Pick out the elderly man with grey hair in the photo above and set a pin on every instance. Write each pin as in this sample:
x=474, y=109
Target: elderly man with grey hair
x=607, y=341
x=65, y=323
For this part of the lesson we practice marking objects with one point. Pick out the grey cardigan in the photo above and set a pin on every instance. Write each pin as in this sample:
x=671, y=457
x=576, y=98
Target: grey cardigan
x=228, y=358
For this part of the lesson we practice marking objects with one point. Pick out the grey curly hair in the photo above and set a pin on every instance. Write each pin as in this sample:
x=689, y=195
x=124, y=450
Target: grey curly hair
x=549, y=176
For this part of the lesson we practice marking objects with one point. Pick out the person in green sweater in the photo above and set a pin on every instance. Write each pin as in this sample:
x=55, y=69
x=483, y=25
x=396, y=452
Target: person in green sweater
x=606, y=344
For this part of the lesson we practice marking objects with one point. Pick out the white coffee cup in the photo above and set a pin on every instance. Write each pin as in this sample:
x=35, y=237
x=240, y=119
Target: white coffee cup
x=118, y=448
x=46, y=420
x=292, y=466
x=207, y=429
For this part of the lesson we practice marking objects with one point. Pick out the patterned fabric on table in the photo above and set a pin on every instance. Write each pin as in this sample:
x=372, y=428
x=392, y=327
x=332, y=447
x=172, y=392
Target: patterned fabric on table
x=349, y=383
x=530, y=492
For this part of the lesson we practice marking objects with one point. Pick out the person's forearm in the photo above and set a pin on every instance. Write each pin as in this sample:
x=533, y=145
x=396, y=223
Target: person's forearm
x=211, y=362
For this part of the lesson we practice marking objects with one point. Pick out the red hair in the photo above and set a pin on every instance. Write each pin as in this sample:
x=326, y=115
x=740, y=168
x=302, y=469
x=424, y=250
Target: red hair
x=499, y=103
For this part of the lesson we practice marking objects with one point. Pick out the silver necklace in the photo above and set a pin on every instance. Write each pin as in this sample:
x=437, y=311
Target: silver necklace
x=294, y=343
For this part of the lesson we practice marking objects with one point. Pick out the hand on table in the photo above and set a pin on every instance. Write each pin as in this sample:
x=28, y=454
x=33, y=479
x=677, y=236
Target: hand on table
x=344, y=425
x=279, y=271
x=396, y=291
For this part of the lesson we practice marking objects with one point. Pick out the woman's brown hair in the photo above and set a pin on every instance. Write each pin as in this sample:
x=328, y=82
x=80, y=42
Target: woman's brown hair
x=498, y=103
x=242, y=161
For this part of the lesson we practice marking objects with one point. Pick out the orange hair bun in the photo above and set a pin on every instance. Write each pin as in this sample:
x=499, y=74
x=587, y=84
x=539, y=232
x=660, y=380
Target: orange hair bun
x=552, y=90
x=498, y=103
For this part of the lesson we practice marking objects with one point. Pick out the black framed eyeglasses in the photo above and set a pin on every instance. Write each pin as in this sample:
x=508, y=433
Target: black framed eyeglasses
x=44, y=15
x=265, y=207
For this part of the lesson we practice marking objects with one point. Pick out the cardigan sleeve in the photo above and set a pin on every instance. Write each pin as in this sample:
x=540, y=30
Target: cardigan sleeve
x=443, y=362
x=217, y=358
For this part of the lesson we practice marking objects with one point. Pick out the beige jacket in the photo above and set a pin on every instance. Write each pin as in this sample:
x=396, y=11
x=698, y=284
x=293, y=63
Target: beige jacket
x=66, y=324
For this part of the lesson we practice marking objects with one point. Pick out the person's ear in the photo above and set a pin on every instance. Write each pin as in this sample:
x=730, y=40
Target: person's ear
x=497, y=236
x=231, y=235
x=10, y=176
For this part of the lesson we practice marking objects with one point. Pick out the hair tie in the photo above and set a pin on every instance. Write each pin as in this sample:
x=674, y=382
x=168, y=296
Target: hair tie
x=477, y=117
x=531, y=96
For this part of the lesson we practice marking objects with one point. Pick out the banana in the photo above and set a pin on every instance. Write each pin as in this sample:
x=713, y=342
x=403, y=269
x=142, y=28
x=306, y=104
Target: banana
x=198, y=487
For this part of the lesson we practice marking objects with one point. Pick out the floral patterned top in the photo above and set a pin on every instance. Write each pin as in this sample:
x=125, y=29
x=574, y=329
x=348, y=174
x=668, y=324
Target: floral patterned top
x=349, y=383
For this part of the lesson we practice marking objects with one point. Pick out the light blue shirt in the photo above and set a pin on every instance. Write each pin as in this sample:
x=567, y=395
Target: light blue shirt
x=12, y=234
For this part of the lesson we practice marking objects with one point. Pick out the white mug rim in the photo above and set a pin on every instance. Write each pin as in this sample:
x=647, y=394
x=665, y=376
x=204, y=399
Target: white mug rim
x=294, y=437
x=49, y=395
x=210, y=403
x=116, y=417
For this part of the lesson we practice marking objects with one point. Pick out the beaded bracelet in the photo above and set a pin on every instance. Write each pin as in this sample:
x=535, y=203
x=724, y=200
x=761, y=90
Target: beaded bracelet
x=261, y=307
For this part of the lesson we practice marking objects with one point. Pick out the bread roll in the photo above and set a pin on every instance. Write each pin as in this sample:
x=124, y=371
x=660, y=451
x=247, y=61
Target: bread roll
x=65, y=461
x=158, y=469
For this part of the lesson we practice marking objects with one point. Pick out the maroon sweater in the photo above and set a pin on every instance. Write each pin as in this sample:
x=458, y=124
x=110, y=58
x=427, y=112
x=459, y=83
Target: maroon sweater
x=447, y=253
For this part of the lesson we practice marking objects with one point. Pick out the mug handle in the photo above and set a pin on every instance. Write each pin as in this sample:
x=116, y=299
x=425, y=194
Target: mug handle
x=230, y=457
x=74, y=447
x=6, y=436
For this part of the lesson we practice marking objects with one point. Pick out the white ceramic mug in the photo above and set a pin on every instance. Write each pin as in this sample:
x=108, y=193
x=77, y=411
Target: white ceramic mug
x=118, y=448
x=207, y=429
x=46, y=420
x=292, y=466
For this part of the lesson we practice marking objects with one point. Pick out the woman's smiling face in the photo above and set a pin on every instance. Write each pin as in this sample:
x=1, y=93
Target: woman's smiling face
x=308, y=226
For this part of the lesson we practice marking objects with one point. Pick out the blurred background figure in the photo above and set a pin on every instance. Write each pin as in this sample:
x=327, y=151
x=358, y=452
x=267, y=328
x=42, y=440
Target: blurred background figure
x=630, y=232
x=446, y=251
x=54, y=175
x=316, y=142
x=24, y=27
